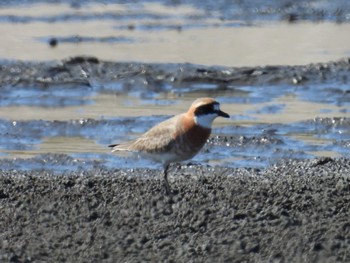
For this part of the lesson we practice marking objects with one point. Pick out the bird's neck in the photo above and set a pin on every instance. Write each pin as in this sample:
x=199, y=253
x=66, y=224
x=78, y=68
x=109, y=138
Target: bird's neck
x=205, y=121
x=197, y=133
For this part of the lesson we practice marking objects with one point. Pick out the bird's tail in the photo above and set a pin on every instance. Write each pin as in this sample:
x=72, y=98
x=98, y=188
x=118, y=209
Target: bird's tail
x=119, y=147
x=114, y=147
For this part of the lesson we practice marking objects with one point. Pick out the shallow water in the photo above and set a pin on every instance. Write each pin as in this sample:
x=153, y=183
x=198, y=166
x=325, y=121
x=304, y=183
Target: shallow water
x=153, y=32
x=68, y=126
x=267, y=124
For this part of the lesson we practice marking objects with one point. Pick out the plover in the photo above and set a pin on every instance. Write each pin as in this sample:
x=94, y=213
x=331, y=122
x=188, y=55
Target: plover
x=176, y=139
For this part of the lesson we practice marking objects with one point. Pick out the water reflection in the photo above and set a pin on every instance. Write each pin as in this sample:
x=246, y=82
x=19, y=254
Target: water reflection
x=153, y=32
x=79, y=120
x=267, y=124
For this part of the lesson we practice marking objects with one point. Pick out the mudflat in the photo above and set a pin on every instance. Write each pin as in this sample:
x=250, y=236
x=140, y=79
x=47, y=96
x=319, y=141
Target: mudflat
x=296, y=211
x=293, y=211
x=63, y=197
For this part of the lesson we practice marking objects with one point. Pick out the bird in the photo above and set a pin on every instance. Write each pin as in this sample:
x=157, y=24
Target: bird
x=176, y=139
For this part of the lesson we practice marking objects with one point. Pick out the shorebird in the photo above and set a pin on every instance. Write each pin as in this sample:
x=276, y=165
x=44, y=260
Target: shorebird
x=176, y=139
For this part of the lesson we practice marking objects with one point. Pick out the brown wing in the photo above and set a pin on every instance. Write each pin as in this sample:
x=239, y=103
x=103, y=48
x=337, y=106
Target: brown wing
x=159, y=139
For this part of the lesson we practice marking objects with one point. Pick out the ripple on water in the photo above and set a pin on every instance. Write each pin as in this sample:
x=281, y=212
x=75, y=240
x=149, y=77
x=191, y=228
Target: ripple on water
x=260, y=145
x=50, y=96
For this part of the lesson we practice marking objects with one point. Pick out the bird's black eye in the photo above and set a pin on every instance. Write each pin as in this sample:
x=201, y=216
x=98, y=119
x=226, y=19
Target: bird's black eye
x=206, y=109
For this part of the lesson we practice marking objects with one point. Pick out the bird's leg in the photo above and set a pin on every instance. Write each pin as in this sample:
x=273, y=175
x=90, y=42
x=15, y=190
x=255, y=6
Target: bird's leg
x=166, y=183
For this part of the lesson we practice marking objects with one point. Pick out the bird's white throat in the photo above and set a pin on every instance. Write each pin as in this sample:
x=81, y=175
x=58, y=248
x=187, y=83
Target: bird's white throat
x=205, y=120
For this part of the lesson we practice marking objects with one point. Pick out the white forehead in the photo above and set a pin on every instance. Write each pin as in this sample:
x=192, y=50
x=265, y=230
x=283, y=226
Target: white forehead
x=216, y=106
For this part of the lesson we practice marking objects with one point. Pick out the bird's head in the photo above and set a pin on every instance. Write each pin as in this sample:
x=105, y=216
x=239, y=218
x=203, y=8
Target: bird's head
x=205, y=110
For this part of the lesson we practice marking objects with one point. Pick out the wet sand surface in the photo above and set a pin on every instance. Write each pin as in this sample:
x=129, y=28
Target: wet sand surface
x=78, y=106
x=200, y=32
x=272, y=184
x=293, y=212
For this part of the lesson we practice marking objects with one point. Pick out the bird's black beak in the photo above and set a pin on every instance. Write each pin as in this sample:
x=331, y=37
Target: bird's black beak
x=223, y=114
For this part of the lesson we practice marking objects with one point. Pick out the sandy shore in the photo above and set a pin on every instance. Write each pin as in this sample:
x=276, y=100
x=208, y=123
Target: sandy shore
x=296, y=211
x=293, y=212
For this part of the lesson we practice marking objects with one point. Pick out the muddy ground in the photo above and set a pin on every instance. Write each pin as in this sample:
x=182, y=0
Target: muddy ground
x=292, y=212
x=296, y=211
x=91, y=71
x=270, y=10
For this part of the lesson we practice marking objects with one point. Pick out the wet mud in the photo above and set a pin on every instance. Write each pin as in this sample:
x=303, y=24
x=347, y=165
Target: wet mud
x=63, y=207
x=292, y=212
x=88, y=70
x=272, y=185
x=271, y=10
x=265, y=131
